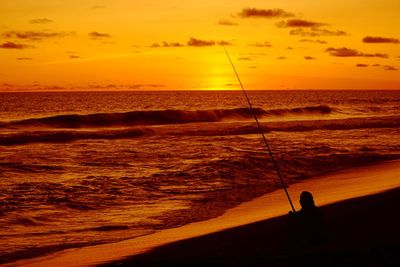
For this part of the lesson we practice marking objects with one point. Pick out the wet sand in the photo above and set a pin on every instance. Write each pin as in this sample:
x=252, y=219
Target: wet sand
x=363, y=231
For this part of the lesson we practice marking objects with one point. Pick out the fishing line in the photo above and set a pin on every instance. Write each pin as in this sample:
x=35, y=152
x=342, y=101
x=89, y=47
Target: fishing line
x=262, y=133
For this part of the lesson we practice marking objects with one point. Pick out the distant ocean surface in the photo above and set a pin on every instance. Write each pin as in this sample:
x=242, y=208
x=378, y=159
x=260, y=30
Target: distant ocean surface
x=85, y=168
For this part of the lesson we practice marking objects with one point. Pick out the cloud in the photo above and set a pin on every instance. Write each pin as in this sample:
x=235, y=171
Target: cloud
x=299, y=23
x=33, y=35
x=167, y=44
x=254, y=54
x=347, y=52
x=314, y=32
x=74, y=57
x=309, y=58
x=24, y=58
x=192, y=42
x=11, y=45
x=199, y=43
x=264, y=44
x=139, y=86
x=40, y=21
x=390, y=68
x=343, y=52
x=370, y=39
x=155, y=45
x=245, y=59
x=32, y=87
x=289, y=48
x=97, y=35
x=313, y=41
x=360, y=65
x=224, y=42
x=281, y=57
x=376, y=65
x=376, y=55
x=226, y=22
x=264, y=13
x=96, y=86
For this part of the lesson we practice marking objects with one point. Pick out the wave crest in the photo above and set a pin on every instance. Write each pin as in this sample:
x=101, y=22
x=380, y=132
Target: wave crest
x=238, y=128
x=160, y=117
x=68, y=136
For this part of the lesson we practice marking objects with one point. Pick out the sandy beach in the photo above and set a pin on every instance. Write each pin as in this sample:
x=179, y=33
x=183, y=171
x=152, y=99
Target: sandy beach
x=359, y=210
x=362, y=232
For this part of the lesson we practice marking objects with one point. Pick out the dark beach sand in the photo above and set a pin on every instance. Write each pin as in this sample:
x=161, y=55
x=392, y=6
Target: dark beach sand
x=363, y=231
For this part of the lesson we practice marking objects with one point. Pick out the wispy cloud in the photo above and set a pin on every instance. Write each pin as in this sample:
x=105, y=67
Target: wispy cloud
x=309, y=58
x=371, y=39
x=199, y=42
x=281, y=57
x=34, y=35
x=91, y=86
x=313, y=41
x=74, y=57
x=124, y=86
x=299, y=23
x=347, y=52
x=262, y=44
x=98, y=35
x=226, y=22
x=390, y=68
x=264, y=13
x=31, y=87
x=223, y=43
x=140, y=86
x=315, y=32
x=167, y=44
x=245, y=59
x=361, y=65
x=12, y=45
x=192, y=42
x=41, y=21
x=24, y=58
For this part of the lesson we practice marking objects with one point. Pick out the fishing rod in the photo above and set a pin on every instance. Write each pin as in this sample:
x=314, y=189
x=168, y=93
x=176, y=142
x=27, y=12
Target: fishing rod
x=262, y=133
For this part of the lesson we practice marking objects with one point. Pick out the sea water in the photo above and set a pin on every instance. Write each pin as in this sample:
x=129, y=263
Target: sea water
x=85, y=168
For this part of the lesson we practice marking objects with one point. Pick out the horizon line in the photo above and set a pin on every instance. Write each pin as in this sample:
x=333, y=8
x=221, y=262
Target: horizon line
x=190, y=90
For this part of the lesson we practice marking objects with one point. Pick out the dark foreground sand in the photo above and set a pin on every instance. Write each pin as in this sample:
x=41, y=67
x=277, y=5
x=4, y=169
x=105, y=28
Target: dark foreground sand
x=363, y=231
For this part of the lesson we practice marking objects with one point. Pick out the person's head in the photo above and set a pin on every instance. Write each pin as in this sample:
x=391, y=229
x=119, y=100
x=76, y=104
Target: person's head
x=306, y=199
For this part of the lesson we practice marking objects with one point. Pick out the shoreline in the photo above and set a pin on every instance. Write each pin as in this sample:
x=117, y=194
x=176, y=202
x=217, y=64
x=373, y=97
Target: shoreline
x=361, y=231
x=327, y=189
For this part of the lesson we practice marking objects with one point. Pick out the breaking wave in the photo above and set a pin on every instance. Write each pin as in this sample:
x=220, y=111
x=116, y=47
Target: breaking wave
x=68, y=136
x=221, y=129
x=160, y=117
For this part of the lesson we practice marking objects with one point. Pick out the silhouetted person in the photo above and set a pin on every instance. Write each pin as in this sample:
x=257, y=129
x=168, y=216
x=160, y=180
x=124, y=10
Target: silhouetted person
x=309, y=223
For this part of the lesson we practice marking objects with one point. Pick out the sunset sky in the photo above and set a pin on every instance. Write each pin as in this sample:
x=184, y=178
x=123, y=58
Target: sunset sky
x=176, y=45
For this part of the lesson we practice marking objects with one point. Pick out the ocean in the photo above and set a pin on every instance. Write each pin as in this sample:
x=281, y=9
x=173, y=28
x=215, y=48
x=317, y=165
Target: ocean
x=85, y=168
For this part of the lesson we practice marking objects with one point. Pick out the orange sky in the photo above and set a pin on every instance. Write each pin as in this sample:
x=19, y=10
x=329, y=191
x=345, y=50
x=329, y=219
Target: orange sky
x=160, y=45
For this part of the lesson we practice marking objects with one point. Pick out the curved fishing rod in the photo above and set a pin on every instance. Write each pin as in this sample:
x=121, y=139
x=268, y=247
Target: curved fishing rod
x=262, y=133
